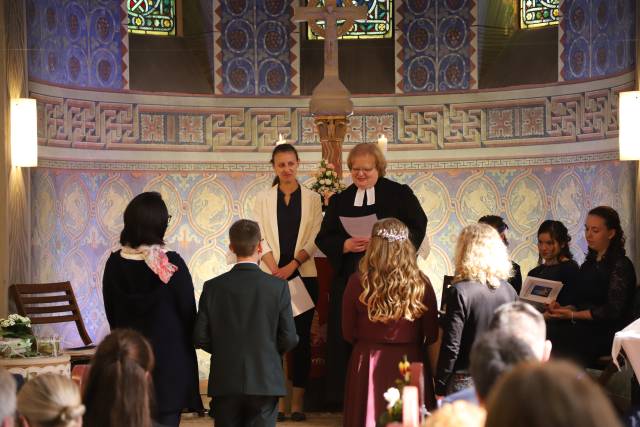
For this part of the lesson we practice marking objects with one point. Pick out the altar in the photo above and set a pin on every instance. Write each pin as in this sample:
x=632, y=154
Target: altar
x=30, y=367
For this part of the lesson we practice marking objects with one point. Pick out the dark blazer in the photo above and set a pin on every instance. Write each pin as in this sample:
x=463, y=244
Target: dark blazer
x=134, y=297
x=246, y=323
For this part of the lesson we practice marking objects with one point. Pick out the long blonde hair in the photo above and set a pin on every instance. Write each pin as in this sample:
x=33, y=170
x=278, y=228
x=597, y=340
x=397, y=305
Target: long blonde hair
x=51, y=400
x=482, y=256
x=393, y=284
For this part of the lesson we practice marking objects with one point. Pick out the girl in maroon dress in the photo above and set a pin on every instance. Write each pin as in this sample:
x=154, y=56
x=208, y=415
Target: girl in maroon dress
x=388, y=311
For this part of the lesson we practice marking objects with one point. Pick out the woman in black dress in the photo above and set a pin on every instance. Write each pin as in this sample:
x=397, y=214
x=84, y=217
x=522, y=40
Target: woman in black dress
x=555, y=260
x=601, y=301
x=149, y=289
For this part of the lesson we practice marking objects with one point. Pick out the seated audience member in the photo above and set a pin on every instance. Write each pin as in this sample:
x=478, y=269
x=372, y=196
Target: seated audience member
x=515, y=279
x=522, y=323
x=50, y=400
x=457, y=414
x=555, y=260
x=246, y=323
x=119, y=390
x=7, y=398
x=602, y=300
x=554, y=394
x=478, y=287
x=148, y=288
x=389, y=310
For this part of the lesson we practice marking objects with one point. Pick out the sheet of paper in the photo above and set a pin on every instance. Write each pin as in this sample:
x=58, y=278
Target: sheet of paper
x=300, y=299
x=540, y=290
x=359, y=226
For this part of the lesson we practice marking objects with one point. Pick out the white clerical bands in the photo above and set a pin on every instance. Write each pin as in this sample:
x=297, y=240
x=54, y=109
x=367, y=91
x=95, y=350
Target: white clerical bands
x=371, y=197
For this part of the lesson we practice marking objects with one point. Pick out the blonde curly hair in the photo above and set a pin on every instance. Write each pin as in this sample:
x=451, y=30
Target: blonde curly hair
x=482, y=256
x=393, y=284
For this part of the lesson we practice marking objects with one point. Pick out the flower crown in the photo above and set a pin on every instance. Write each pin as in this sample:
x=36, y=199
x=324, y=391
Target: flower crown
x=392, y=235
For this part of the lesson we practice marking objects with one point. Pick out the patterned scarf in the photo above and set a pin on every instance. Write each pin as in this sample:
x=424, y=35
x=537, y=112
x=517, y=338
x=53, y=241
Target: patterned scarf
x=155, y=256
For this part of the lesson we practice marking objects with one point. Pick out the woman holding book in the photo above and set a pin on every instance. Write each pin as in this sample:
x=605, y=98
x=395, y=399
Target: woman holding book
x=289, y=216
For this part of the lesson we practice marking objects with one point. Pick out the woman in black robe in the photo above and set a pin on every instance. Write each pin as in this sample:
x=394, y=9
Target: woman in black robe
x=149, y=289
x=370, y=193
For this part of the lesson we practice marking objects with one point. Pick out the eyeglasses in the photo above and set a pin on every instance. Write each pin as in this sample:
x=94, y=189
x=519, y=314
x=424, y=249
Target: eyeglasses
x=364, y=170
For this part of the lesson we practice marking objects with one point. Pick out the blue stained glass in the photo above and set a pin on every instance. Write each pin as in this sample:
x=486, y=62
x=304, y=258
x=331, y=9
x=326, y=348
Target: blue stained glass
x=377, y=25
x=152, y=17
x=539, y=13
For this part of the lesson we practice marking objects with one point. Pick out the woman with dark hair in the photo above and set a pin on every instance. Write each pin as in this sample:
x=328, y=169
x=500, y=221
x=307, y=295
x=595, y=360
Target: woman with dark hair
x=149, y=289
x=555, y=260
x=601, y=301
x=289, y=216
x=119, y=390
x=370, y=194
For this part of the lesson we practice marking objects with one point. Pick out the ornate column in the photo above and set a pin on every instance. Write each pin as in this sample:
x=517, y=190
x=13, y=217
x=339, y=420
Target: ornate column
x=332, y=130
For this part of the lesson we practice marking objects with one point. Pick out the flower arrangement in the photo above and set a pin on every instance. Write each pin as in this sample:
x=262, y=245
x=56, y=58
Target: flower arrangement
x=393, y=395
x=16, y=337
x=327, y=181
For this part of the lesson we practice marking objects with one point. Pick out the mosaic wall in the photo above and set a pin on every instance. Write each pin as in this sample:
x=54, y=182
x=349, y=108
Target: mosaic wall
x=82, y=43
x=596, y=38
x=194, y=124
x=77, y=213
x=436, y=45
x=253, y=41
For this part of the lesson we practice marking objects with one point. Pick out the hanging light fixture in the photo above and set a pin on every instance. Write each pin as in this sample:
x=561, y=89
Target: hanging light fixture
x=629, y=121
x=24, y=132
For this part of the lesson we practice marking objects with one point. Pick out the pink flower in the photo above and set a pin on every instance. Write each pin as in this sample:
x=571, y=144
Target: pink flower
x=330, y=166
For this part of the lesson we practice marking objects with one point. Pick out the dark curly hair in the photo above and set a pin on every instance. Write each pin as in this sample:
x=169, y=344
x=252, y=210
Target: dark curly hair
x=559, y=233
x=612, y=222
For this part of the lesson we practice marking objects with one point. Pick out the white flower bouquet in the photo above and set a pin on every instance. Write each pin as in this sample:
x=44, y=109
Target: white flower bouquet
x=327, y=182
x=16, y=337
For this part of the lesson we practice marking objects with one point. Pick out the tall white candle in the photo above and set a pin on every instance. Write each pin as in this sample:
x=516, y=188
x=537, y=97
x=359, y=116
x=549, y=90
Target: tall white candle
x=281, y=140
x=382, y=143
x=410, y=407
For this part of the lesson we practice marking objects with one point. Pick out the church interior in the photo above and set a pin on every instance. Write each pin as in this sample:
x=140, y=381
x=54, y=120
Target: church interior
x=487, y=107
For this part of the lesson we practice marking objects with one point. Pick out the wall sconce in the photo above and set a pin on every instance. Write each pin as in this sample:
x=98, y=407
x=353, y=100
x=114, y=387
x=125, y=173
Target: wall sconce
x=629, y=122
x=24, y=132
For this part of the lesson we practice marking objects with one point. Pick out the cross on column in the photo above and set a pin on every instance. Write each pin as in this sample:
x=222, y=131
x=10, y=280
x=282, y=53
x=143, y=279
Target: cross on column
x=330, y=13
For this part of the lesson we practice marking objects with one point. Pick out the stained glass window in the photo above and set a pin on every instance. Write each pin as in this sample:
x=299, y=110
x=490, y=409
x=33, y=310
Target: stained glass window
x=539, y=13
x=152, y=17
x=378, y=24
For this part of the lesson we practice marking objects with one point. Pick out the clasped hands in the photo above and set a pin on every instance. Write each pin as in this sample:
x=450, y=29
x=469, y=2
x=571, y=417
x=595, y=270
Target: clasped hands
x=355, y=244
x=286, y=271
x=557, y=311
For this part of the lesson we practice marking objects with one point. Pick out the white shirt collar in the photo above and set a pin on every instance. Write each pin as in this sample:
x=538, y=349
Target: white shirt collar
x=371, y=196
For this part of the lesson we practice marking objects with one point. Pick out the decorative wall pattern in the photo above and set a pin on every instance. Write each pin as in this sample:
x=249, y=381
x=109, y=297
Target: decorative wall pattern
x=253, y=51
x=81, y=43
x=596, y=38
x=77, y=215
x=197, y=125
x=436, y=46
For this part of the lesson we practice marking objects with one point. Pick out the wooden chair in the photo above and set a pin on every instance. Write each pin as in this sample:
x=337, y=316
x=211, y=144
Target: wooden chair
x=48, y=303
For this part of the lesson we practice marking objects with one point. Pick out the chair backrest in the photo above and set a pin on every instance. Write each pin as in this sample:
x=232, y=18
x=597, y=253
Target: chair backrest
x=49, y=303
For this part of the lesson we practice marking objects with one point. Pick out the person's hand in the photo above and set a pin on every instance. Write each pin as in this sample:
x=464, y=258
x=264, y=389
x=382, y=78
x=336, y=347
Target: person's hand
x=355, y=244
x=286, y=271
x=561, y=313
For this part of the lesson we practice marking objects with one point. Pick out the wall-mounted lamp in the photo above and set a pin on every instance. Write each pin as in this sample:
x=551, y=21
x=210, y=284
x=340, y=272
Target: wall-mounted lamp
x=24, y=132
x=629, y=121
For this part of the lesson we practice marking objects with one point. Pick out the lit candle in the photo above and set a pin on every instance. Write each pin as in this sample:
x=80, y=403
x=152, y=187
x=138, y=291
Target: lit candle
x=382, y=143
x=410, y=407
x=281, y=140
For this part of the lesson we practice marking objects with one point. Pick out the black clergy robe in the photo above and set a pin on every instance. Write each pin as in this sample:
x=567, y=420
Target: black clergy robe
x=391, y=200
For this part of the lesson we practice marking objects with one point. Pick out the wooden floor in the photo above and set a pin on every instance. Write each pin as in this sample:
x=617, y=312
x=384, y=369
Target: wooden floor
x=313, y=420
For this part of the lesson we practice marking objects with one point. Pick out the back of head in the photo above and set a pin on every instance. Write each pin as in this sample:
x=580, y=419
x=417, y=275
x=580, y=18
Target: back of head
x=523, y=321
x=481, y=256
x=457, y=414
x=495, y=221
x=553, y=394
x=51, y=400
x=494, y=354
x=145, y=220
x=7, y=395
x=244, y=236
x=119, y=382
x=393, y=285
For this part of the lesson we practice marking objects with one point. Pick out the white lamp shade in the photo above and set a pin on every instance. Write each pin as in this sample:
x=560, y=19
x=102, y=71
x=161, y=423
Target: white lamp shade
x=24, y=132
x=629, y=119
